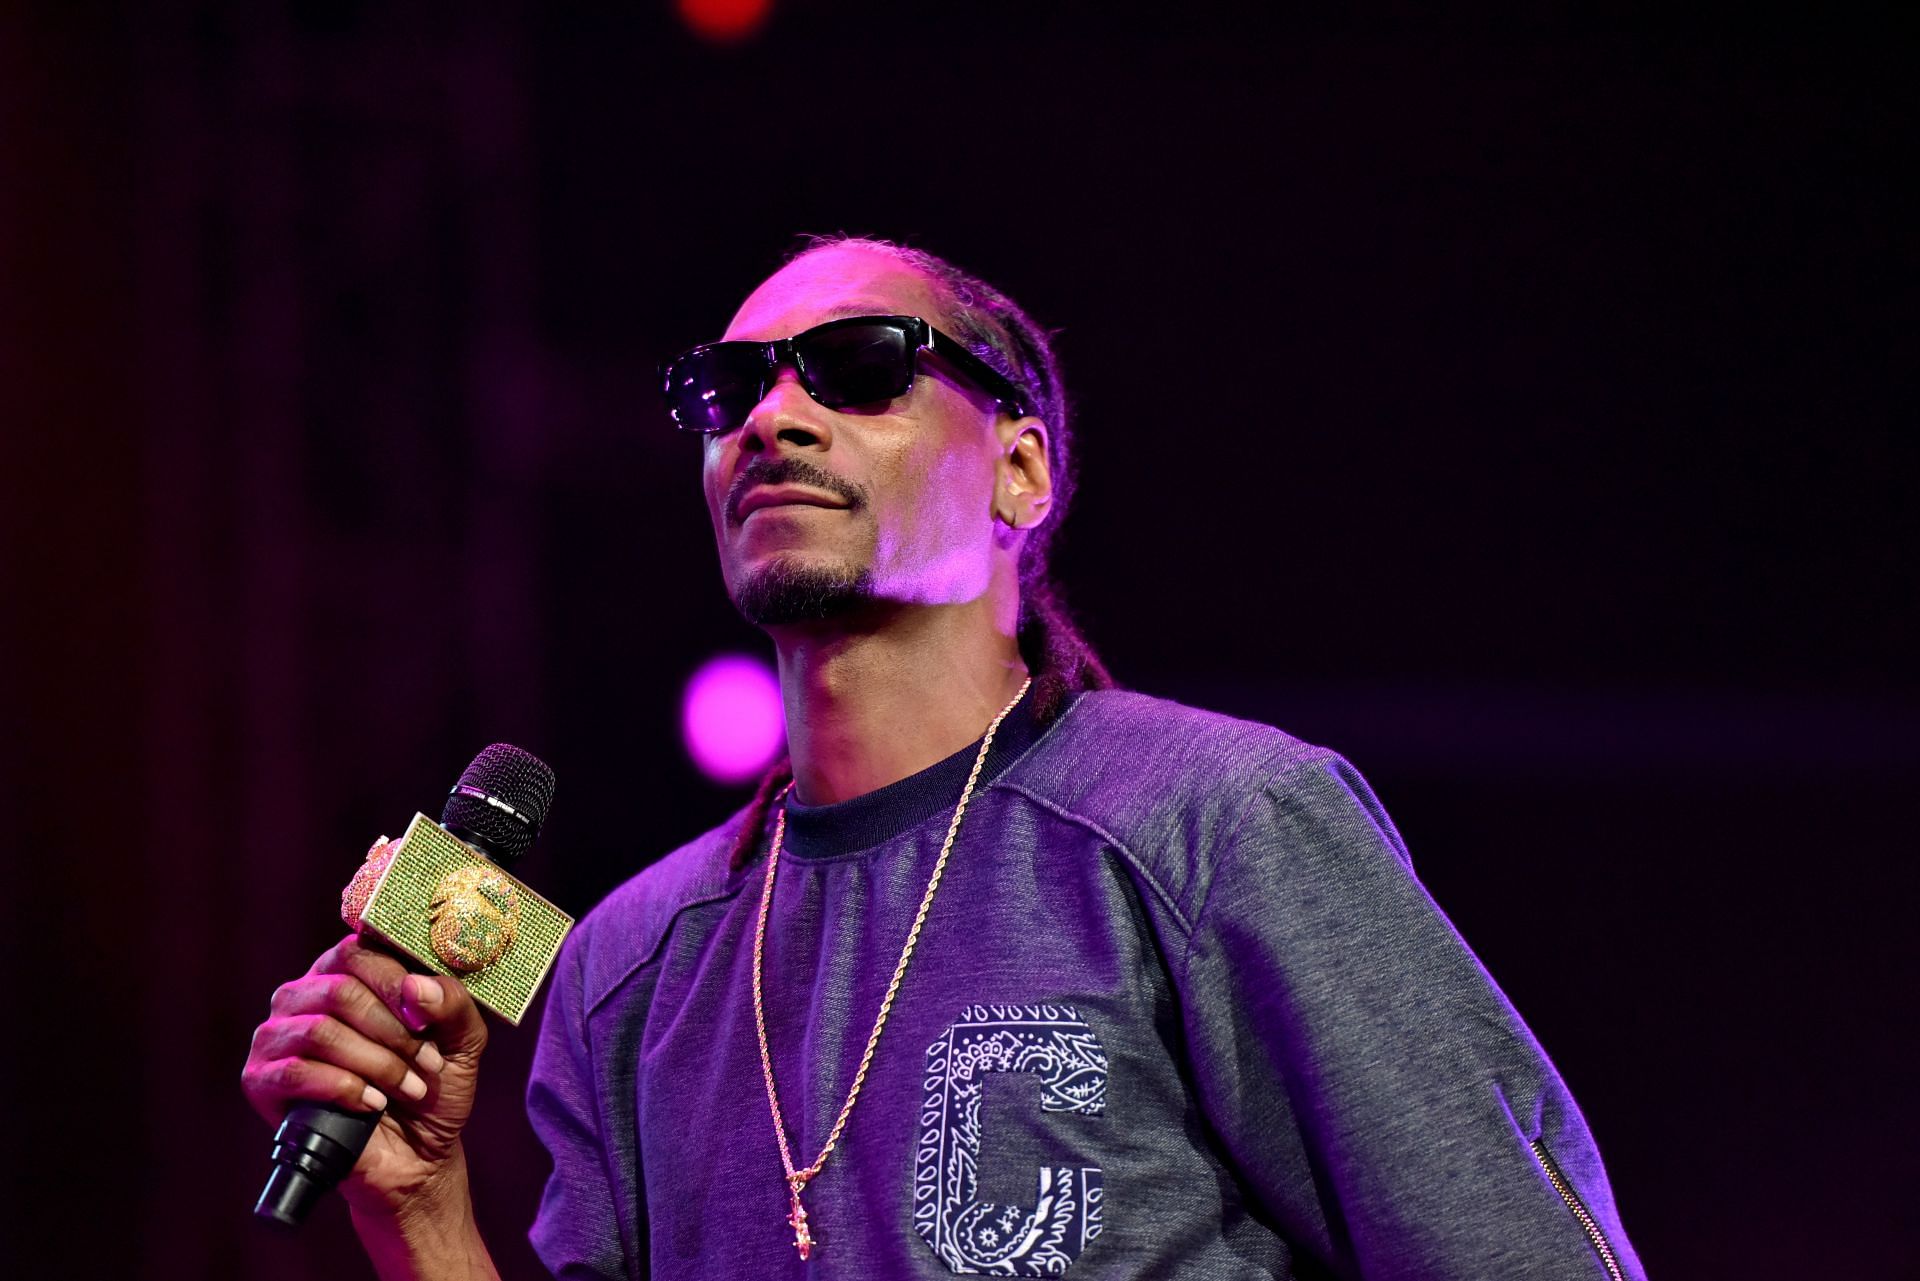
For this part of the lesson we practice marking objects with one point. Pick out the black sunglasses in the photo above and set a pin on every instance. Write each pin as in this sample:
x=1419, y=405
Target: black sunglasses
x=861, y=360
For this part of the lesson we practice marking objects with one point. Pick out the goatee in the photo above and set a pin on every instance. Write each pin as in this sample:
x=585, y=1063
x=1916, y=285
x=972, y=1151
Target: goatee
x=783, y=592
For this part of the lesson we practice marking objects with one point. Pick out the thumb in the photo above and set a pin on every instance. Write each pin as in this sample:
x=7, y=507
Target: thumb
x=443, y=1009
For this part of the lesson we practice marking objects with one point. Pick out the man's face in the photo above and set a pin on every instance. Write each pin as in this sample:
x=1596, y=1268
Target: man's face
x=816, y=509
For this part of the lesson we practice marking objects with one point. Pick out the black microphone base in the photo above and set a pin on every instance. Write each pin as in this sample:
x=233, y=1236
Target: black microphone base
x=315, y=1148
x=288, y=1196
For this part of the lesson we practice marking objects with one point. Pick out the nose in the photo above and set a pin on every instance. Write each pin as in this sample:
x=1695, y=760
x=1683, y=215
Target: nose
x=786, y=416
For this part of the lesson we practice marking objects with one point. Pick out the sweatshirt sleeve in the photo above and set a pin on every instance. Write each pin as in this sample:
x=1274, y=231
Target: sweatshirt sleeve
x=576, y=1233
x=1369, y=1082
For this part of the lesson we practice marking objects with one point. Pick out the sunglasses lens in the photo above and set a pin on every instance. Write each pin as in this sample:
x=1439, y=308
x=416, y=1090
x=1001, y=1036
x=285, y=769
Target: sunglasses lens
x=714, y=389
x=858, y=364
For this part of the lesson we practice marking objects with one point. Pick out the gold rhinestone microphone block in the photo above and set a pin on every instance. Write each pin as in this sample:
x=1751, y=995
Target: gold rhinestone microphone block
x=451, y=909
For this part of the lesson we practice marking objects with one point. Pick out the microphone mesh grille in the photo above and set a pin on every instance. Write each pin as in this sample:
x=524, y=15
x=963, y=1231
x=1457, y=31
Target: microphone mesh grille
x=515, y=777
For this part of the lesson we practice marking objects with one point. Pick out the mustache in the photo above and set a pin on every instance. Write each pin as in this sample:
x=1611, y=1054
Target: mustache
x=791, y=471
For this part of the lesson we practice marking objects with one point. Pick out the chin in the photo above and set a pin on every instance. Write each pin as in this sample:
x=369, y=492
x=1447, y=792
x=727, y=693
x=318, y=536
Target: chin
x=788, y=590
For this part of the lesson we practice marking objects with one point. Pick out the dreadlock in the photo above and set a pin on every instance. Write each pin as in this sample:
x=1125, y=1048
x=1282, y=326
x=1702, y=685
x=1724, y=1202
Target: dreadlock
x=1000, y=332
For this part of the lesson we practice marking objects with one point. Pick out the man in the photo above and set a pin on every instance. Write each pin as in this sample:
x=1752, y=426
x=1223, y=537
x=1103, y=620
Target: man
x=1009, y=972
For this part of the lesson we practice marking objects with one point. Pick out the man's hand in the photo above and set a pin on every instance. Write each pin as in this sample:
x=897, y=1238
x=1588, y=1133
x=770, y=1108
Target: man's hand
x=361, y=1032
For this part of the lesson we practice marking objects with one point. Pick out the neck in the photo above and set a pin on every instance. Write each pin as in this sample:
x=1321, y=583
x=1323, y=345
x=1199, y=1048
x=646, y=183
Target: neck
x=869, y=705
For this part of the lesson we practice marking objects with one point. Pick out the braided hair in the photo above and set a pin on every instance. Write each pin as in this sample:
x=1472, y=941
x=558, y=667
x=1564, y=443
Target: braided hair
x=997, y=330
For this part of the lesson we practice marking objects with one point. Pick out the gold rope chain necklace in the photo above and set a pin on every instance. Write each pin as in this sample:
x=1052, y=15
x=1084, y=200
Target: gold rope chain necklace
x=797, y=1179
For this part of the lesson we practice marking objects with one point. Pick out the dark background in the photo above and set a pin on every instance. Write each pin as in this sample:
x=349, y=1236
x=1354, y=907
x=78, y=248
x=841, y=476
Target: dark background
x=1519, y=402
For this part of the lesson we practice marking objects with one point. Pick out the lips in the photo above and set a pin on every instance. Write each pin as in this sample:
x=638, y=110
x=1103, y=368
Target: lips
x=761, y=496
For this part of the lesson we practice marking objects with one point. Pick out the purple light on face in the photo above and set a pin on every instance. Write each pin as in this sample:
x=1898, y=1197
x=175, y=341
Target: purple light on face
x=733, y=719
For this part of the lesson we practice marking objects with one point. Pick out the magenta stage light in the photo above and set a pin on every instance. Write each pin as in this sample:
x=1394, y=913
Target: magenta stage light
x=732, y=718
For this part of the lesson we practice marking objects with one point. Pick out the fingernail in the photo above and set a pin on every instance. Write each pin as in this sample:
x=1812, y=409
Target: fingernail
x=413, y=1087
x=422, y=990
x=417, y=995
x=430, y=1057
x=374, y=1099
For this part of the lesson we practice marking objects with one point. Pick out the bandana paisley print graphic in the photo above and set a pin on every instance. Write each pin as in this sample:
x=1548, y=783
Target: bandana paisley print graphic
x=975, y=1237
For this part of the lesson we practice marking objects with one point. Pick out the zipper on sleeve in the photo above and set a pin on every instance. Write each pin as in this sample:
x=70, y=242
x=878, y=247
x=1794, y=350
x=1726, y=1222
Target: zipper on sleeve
x=1580, y=1214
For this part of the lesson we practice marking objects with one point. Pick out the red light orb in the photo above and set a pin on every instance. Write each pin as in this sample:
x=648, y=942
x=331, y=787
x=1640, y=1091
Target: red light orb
x=724, y=21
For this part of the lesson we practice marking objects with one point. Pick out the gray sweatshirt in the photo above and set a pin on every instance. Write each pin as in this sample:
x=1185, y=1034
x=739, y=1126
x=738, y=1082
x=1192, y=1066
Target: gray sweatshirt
x=1180, y=1010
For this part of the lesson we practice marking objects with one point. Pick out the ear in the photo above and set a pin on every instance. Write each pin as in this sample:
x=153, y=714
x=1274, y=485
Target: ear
x=1024, y=493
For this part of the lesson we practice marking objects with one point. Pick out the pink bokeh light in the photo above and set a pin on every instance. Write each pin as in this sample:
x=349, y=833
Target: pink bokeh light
x=732, y=718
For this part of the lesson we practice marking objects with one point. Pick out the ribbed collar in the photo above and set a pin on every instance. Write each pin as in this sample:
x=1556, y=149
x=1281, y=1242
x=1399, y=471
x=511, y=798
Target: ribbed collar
x=827, y=831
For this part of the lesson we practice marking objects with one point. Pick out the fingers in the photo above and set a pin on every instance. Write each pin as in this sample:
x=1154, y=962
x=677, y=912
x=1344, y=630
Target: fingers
x=273, y=1086
x=341, y=1035
x=425, y=1005
x=347, y=998
x=381, y=973
x=323, y=1040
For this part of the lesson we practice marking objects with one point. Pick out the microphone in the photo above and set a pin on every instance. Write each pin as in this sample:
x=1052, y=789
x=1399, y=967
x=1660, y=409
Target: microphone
x=440, y=897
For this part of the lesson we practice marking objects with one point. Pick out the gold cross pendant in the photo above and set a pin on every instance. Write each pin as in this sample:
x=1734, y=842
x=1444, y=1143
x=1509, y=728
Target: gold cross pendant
x=797, y=1220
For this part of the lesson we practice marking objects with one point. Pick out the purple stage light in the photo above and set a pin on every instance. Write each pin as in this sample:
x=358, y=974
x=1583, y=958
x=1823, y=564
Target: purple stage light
x=733, y=719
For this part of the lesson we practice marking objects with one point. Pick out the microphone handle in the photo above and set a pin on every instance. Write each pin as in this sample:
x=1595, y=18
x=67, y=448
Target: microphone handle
x=314, y=1148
